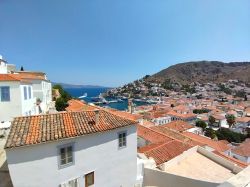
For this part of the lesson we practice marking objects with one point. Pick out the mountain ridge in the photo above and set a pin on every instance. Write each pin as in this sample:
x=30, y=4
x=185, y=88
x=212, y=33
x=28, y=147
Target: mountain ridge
x=203, y=72
x=66, y=85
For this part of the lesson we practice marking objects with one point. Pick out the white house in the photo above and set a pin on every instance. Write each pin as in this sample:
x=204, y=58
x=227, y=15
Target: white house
x=242, y=124
x=242, y=152
x=23, y=93
x=162, y=120
x=16, y=97
x=42, y=88
x=75, y=149
x=5, y=67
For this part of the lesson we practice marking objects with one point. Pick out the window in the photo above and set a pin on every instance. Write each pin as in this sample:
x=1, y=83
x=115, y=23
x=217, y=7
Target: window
x=71, y=183
x=122, y=139
x=89, y=179
x=5, y=93
x=66, y=155
x=29, y=92
x=25, y=92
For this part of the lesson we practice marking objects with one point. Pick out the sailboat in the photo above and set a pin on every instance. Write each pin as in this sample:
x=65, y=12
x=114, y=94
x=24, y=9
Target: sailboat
x=83, y=96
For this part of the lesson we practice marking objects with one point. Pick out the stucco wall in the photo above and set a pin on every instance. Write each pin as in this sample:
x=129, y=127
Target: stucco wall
x=29, y=104
x=241, y=158
x=43, y=91
x=38, y=165
x=11, y=108
x=162, y=179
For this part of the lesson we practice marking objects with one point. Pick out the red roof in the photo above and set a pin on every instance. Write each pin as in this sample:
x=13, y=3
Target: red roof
x=217, y=145
x=182, y=116
x=176, y=135
x=178, y=125
x=9, y=77
x=52, y=127
x=236, y=161
x=243, y=149
x=167, y=151
x=151, y=135
x=79, y=106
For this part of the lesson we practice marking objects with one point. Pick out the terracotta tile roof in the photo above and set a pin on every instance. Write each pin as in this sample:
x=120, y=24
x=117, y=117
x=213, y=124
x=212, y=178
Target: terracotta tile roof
x=167, y=151
x=217, y=145
x=243, y=149
x=146, y=123
x=45, y=128
x=124, y=114
x=243, y=119
x=12, y=77
x=182, y=116
x=181, y=108
x=149, y=147
x=151, y=135
x=178, y=126
x=232, y=112
x=219, y=117
x=204, y=118
x=8, y=77
x=79, y=106
x=236, y=161
x=176, y=135
x=32, y=75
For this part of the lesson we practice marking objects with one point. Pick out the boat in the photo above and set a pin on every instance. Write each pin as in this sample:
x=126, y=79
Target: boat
x=83, y=96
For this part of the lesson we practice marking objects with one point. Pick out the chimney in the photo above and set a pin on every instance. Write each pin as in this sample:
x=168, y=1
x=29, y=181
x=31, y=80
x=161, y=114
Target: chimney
x=97, y=117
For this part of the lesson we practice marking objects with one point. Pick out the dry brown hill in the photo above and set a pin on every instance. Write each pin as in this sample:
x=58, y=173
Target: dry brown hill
x=205, y=71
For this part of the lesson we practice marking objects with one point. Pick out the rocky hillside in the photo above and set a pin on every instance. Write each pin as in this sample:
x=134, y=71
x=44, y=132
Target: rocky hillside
x=204, y=71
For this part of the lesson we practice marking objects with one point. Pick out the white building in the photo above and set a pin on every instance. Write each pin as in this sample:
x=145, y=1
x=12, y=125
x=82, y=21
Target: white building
x=16, y=97
x=42, y=88
x=162, y=120
x=23, y=93
x=242, y=152
x=76, y=149
x=5, y=67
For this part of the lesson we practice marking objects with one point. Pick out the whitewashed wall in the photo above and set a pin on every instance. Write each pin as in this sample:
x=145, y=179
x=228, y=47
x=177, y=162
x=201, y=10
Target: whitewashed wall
x=28, y=105
x=38, y=165
x=11, y=108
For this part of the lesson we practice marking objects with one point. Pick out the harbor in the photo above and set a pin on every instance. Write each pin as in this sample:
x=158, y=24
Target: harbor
x=94, y=96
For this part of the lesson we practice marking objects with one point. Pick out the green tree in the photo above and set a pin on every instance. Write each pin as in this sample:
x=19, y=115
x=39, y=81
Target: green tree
x=61, y=104
x=230, y=120
x=211, y=120
x=62, y=101
x=230, y=136
x=210, y=133
x=201, y=124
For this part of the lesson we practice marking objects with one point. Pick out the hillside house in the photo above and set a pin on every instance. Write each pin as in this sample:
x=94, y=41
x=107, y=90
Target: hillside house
x=75, y=149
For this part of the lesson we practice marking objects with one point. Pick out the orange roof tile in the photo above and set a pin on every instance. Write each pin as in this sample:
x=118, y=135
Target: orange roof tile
x=182, y=116
x=243, y=119
x=8, y=77
x=176, y=135
x=151, y=135
x=46, y=128
x=217, y=145
x=243, y=149
x=178, y=125
x=167, y=151
x=236, y=161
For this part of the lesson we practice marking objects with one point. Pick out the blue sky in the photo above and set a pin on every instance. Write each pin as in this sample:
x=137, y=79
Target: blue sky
x=112, y=42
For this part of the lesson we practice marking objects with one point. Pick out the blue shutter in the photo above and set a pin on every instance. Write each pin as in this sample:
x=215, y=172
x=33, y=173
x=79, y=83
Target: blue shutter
x=5, y=93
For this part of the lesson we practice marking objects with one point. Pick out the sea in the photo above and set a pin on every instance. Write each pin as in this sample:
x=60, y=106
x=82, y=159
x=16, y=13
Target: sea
x=95, y=92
